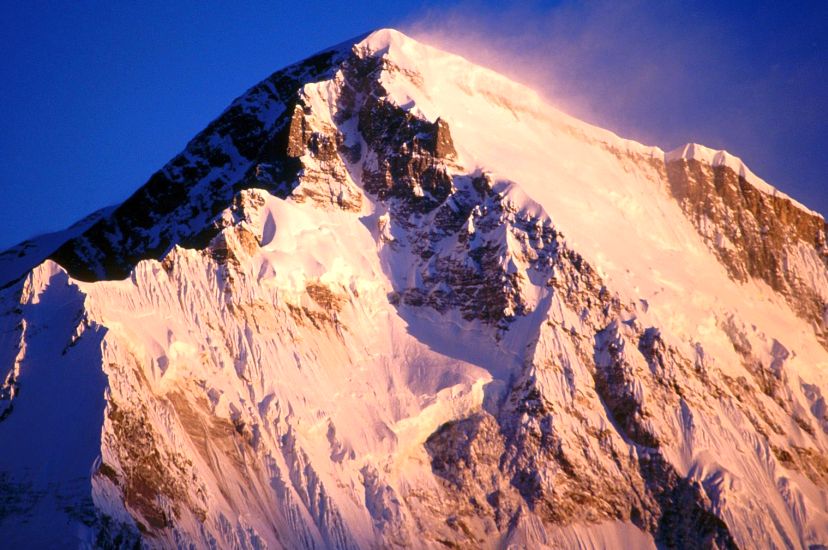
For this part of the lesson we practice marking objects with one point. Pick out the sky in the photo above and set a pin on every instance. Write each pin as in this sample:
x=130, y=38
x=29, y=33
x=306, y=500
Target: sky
x=96, y=96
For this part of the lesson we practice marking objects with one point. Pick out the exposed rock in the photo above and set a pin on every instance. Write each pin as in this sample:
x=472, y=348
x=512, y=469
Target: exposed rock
x=755, y=234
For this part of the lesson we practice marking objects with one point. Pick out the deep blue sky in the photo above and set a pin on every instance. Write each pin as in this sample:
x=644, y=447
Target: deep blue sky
x=94, y=97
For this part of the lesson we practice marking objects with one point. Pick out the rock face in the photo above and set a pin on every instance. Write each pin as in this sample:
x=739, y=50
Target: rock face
x=757, y=235
x=256, y=142
x=348, y=316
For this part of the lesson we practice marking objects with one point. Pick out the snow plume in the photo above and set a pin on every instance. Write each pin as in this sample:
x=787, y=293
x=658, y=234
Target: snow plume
x=663, y=73
x=600, y=60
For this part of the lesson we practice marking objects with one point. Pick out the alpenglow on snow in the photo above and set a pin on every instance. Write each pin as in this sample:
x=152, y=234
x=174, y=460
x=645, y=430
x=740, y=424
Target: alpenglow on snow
x=392, y=299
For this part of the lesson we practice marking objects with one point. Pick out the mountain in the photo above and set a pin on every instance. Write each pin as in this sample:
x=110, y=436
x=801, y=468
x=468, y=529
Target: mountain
x=389, y=298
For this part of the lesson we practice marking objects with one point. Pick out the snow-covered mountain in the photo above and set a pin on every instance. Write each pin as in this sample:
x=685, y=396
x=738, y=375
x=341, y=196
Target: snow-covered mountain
x=392, y=299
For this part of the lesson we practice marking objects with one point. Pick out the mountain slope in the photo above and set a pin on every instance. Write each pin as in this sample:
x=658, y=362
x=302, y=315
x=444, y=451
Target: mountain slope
x=390, y=298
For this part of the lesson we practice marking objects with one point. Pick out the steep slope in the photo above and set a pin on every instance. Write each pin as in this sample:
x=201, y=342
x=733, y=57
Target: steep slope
x=390, y=298
x=754, y=230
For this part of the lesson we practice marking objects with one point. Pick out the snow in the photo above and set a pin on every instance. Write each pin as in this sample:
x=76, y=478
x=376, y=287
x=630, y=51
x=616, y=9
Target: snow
x=66, y=385
x=301, y=245
x=611, y=203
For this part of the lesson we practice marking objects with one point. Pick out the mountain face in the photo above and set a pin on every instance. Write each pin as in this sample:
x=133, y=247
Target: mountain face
x=392, y=299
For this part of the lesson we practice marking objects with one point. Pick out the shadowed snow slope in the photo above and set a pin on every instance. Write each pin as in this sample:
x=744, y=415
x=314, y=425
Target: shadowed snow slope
x=393, y=299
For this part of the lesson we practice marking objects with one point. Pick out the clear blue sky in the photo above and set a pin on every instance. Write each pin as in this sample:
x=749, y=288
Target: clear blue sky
x=95, y=96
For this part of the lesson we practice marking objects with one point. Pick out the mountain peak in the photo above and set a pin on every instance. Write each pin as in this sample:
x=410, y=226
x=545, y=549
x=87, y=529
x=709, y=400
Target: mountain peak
x=383, y=38
x=390, y=298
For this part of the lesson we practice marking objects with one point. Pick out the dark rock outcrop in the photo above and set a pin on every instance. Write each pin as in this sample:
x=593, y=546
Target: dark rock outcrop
x=256, y=142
